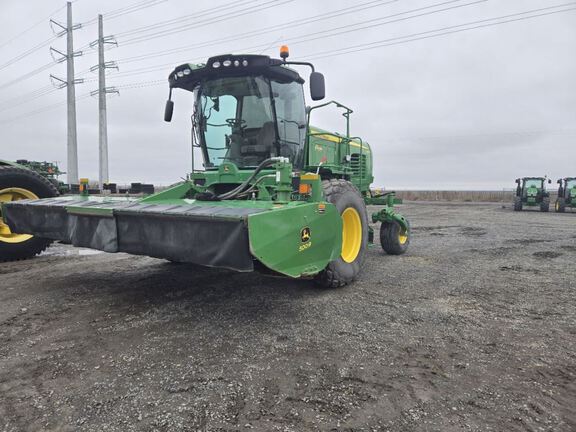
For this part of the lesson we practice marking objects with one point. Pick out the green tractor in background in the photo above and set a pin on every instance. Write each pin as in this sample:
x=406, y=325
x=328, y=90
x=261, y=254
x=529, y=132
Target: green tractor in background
x=531, y=192
x=275, y=195
x=566, y=194
x=19, y=182
x=48, y=170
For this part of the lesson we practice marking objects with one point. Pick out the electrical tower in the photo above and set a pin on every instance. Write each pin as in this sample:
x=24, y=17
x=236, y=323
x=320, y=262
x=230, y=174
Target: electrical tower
x=103, y=176
x=69, y=83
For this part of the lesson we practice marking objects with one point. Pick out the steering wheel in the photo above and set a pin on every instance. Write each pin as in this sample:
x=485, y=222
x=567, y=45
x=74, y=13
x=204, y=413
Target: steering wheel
x=233, y=122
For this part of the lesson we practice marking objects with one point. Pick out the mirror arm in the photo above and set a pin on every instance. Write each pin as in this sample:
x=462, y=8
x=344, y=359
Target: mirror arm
x=301, y=64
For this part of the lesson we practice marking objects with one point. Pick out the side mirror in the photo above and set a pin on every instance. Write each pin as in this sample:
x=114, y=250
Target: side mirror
x=517, y=181
x=549, y=181
x=559, y=181
x=169, y=110
x=317, y=87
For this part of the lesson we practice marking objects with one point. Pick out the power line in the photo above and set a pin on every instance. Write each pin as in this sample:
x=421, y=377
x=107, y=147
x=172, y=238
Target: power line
x=27, y=98
x=3, y=44
x=193, y=16
x=43, y=109
x=265, y=30
x=135, y=7
x=242, y=12
x=444, y=31
x=28, y=52
x=309, y=36
x=359, y=26
x=27, y=75
x=390, y=41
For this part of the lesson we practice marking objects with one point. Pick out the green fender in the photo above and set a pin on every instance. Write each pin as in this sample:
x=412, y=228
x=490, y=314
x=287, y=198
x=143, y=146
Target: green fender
x=297, y=240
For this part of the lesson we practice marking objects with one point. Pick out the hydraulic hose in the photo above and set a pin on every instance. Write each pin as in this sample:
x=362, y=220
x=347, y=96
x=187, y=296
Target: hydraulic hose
x=239, y=189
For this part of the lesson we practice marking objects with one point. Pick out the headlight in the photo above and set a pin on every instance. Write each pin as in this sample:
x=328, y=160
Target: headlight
x=216, y=64
x=226, y=63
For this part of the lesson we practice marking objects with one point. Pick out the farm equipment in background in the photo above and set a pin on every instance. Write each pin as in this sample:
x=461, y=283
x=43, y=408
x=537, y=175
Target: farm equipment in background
x=531, y=192
x=276, y=194
x=18, y=182
x=47, y=170
x=566, y=194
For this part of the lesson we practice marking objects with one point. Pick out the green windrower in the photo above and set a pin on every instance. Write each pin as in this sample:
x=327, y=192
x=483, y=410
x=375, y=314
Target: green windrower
x=274, y=194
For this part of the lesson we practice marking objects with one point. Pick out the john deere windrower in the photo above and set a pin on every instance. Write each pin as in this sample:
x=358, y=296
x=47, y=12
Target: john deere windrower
x=531, y=192
x=275, y=194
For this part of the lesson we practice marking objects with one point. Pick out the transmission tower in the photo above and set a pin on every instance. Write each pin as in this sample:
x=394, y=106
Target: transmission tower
x=103, y=175
x=69, y=83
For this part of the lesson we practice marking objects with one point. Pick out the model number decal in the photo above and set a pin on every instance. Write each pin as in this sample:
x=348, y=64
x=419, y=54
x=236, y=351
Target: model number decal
x=304, y=246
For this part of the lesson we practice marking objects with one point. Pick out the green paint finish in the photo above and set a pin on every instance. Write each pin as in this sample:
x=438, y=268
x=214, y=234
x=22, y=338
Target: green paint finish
x=387, y=214
x=349, y=157
x=296, y=241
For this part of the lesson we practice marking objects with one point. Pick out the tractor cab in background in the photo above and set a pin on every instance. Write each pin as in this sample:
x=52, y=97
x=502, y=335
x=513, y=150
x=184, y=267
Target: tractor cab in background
x=531, y=192
x=566, y=194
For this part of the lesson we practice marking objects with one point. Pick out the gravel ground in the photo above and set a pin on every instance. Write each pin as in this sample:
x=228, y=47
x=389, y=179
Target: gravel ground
x=473, y=329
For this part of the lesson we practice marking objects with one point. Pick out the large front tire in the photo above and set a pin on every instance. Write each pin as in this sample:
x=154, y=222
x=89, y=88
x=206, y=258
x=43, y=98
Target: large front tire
x=560, y=205
x=15, y=184
x=350, y=204
x=545, y=204
x=517, y=203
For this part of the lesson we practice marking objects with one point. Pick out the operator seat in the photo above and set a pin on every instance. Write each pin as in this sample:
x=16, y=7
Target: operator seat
x=260, y=147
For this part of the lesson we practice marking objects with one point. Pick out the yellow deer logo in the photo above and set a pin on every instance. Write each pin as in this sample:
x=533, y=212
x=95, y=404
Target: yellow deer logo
x=305, y=234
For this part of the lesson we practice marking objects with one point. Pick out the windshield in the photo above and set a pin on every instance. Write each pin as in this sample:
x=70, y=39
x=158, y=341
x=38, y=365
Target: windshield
x=235, y=120
x=537, y=183
x=570, y=184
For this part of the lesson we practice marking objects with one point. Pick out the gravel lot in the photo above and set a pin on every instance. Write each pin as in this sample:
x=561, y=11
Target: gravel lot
x=473, y=329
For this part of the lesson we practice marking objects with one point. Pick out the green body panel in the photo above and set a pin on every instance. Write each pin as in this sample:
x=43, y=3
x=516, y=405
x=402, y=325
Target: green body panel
x=277, y=241
x=348, y=158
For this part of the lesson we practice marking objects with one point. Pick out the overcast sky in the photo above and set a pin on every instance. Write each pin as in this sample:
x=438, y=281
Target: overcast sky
x=467, y=110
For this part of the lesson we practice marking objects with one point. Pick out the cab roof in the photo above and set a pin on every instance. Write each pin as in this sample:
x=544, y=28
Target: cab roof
x=188, y=76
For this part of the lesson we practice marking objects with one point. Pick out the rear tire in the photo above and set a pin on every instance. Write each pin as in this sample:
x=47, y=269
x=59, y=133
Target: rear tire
x=517, y=203
x=346, y=198
x=560, y=205
x=545, y=204
x=393, y=239
x=31, y=183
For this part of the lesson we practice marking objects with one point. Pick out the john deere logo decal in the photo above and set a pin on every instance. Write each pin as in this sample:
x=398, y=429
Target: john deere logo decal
x=305, y=234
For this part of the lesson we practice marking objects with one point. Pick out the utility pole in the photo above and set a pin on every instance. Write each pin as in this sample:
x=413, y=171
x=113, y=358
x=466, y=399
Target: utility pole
x=69, y=83
x=103, y=175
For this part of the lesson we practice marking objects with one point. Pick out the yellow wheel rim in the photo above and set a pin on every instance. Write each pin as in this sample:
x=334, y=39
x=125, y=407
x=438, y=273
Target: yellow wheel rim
x=8, y=195
x=403, y=236
x=351, y=234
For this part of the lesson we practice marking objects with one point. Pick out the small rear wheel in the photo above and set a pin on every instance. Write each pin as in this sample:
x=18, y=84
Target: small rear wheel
x=517, y=203
x=560, y=206
x=350, y=204
x=17, y=184
x=393, y=238
x=545, y=204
